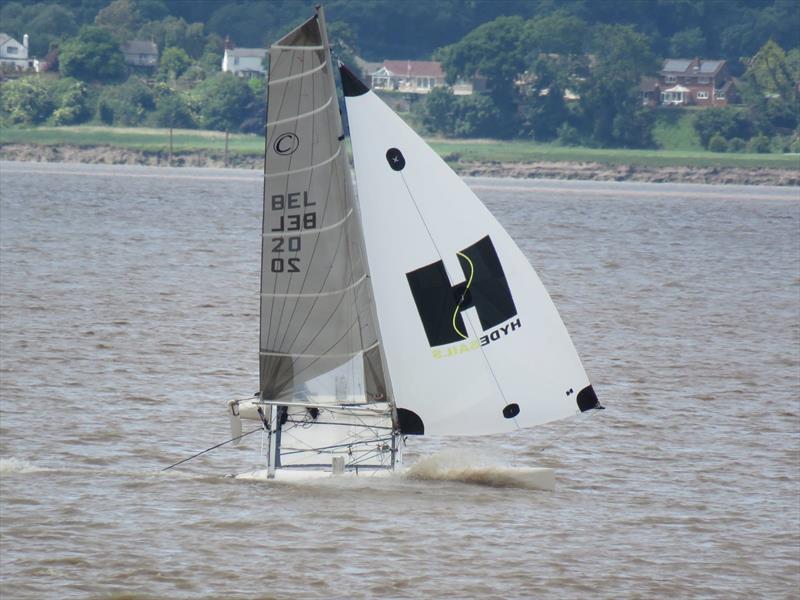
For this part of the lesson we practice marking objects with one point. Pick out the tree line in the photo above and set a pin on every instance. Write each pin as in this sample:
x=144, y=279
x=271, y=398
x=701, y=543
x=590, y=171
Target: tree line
x=534, y=56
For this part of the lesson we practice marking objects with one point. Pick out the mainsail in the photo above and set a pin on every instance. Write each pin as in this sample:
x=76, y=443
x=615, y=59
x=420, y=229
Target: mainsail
x=473, y=344
x=316, y=305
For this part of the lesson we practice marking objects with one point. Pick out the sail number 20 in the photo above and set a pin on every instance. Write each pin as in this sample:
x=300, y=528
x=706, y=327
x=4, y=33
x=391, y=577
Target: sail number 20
x=290, y=222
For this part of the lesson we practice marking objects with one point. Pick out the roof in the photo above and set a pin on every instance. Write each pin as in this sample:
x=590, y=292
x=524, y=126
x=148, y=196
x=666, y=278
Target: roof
x=139, y=47
x=247, y=52
x=414, y=68
x=676, y=65
x=678, y=88
x=648, y=84
x=686, y=66
x=4, y=37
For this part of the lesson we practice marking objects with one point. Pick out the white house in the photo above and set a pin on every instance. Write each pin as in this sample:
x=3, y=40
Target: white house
x=244, y=62
x=13, y=54
x=414, y=77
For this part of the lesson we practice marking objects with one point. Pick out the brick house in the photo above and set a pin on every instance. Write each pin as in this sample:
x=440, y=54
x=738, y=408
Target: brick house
x=683, y=82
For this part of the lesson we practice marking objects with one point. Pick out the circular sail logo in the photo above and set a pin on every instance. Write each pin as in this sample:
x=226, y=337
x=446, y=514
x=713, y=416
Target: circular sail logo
x=286, y=144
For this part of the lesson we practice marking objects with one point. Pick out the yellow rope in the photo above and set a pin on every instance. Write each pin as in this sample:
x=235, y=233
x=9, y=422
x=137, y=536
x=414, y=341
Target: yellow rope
x=469, y=283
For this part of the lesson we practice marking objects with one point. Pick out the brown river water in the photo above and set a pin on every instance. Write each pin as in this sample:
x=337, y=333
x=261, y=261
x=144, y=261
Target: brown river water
x=128, y=316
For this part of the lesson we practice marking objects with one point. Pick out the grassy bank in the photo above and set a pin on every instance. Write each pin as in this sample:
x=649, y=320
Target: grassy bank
x=194, y=141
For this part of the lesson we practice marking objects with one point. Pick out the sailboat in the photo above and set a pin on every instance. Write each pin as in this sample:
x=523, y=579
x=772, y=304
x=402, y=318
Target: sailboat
x=405, y=309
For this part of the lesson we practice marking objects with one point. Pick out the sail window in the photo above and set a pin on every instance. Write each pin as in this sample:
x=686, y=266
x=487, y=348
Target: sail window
x=511, y=410
x=395, y=159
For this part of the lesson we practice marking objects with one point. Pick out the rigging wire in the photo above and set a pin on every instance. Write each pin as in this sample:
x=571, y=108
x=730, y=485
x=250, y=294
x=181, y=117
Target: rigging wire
x=238, y=437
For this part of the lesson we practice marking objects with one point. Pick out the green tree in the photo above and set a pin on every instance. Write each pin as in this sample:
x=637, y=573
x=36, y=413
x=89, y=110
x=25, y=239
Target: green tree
x=770, y=88
x=542, y=107
x=176, y=32
x=688, y=43
x=439, y=109
x=173, y=111
x=726, y=122
x=610, y=100
x=126, y=104
x=225, y=101
x=496, y=51
x=25, y=101
x=174, y=61
x=121, y=18
x=72, y=100
x=93, y=55
x=50, y=24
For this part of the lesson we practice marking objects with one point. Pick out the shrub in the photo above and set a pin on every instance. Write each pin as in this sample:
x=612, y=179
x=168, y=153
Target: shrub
x=737, y=144
x=717, y=143
x=26, y=101
x=126, y=104
x=567, y=135
x=759, y=144
x=727, y=122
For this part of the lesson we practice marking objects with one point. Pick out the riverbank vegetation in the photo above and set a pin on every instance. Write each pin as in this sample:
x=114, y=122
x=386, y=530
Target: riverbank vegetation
x=562, y=75
x=156, y=140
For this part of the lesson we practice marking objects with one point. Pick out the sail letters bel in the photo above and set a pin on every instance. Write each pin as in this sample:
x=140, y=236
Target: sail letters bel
x=440, y=303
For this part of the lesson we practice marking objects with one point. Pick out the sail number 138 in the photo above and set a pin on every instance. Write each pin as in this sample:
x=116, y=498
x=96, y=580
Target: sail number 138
x=290, y=222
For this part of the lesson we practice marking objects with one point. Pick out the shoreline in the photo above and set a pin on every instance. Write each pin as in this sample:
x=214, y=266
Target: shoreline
x=588, y=171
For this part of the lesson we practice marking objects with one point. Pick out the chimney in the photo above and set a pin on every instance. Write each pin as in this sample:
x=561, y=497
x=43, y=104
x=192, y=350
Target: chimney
x=25, y=41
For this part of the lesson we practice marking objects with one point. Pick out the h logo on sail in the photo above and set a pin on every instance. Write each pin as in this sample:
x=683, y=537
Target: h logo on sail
x=440, y=303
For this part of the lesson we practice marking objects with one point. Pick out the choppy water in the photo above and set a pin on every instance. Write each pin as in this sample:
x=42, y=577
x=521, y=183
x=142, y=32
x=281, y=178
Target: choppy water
x=129, y=313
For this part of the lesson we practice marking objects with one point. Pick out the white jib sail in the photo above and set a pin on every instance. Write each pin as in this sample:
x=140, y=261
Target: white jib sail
x=472, y=341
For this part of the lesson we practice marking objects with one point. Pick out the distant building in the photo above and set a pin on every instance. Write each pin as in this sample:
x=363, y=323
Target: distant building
x=685, y=82
x=13, y=54
x=244, y=62
x=412, y=76
x=140, y=53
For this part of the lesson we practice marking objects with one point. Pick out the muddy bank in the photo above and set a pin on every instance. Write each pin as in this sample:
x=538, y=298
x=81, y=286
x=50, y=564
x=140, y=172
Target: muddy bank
x=533, y=170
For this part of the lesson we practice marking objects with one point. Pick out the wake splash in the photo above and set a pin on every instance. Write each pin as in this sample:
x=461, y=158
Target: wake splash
x=463, y=468
x=12, y=465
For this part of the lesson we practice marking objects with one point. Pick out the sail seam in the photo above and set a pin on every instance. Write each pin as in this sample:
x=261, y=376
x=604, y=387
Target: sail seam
x=297, y=75
x=317, y=356
x=302, y=116
x=331, y=293
x=338, y=223
x=324, y=162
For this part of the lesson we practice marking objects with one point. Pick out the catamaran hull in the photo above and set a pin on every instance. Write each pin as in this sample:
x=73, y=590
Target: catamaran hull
x=531, y=478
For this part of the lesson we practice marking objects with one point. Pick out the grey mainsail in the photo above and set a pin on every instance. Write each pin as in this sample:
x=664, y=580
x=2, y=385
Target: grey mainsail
x=316, y=303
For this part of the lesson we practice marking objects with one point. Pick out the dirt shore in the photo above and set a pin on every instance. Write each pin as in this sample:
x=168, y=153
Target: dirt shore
x=532, y=170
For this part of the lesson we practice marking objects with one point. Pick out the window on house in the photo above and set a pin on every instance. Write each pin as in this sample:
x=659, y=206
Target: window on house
x=702, y=95
x=703, y=80
x=236, y=60
x=12, y=50
x=720, y=95
x=671, y=79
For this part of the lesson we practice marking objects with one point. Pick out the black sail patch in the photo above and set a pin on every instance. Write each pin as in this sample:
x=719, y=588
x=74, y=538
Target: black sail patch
x=395, y=159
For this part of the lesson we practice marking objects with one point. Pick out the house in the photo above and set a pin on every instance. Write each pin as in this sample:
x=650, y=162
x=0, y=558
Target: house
x=14, y=55
x=698, y=82
x=140, y=53
x=244, y=62
x=411, y=76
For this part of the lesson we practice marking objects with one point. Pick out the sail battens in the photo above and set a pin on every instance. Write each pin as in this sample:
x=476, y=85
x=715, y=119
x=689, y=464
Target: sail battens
x=304, y=169
x=318, y=356
x=339, y=223
x=318, y=294
x=297, y=75
x=302, y=115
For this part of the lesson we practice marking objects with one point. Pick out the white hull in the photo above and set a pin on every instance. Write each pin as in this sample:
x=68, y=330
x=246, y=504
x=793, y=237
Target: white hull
x=532, y=478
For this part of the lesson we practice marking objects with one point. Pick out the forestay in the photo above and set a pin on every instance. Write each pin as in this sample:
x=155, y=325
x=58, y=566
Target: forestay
x=315, y=293
x=473, y=343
